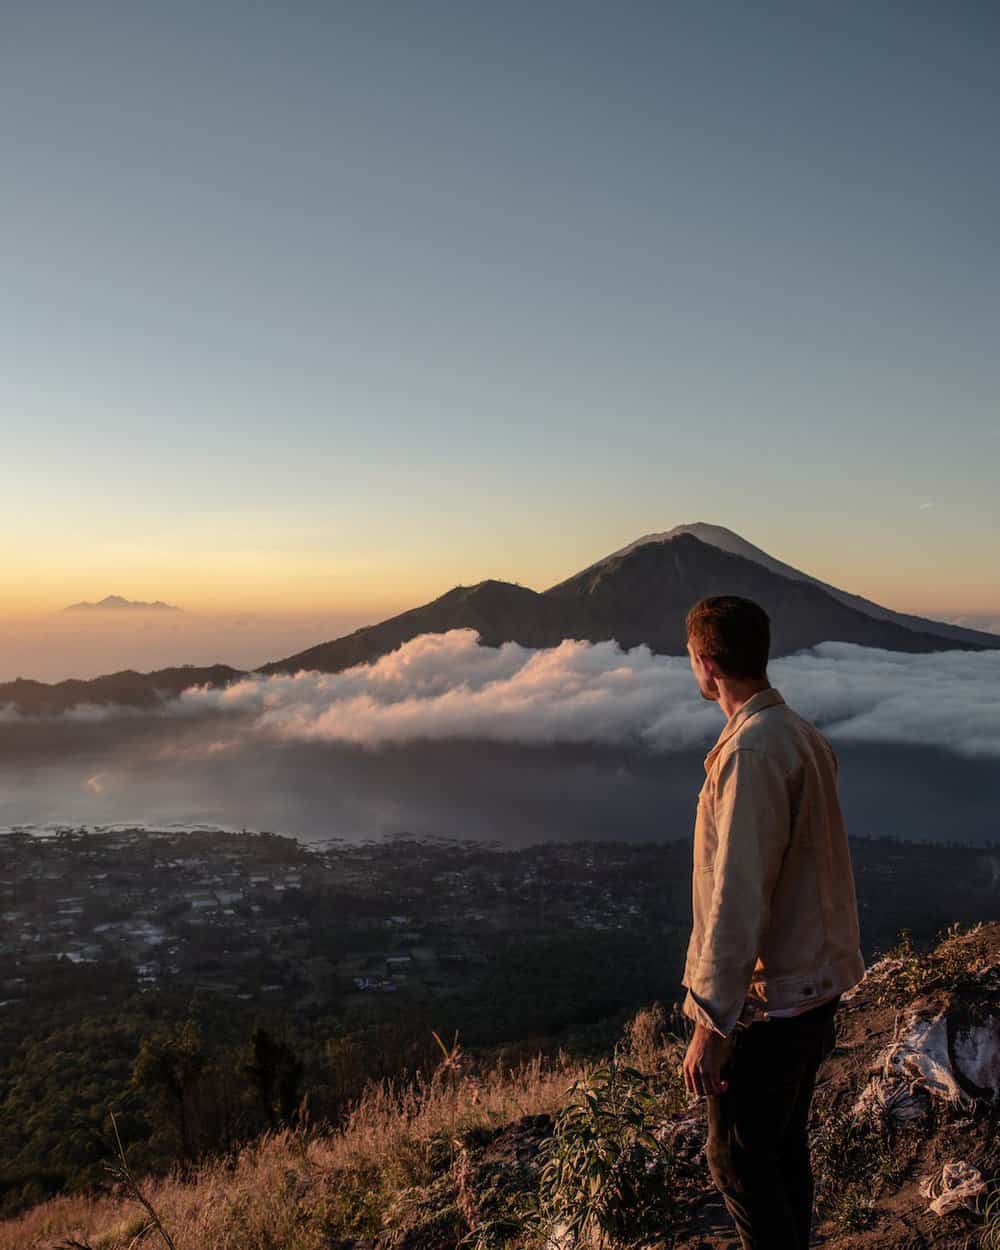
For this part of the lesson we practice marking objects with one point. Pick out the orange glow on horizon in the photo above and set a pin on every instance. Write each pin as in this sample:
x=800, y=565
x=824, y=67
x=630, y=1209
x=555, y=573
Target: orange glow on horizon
x=375, y=585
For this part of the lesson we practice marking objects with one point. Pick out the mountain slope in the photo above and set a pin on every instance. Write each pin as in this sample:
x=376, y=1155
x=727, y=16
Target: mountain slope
x=638, y=596
x=124, y=689
x=500, y=611
x=726, y=540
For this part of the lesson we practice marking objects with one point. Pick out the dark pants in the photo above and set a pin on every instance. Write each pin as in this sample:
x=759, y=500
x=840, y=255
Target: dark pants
x=758, y=1146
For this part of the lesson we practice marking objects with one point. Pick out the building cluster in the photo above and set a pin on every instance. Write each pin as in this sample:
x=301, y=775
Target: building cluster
x=258, y=916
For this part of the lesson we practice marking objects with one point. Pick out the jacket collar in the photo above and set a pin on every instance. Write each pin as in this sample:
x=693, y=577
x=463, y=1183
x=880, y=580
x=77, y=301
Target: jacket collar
x=756, y=703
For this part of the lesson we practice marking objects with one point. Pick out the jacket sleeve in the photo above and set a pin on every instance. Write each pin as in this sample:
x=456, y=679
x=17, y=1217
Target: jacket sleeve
x=752, y=815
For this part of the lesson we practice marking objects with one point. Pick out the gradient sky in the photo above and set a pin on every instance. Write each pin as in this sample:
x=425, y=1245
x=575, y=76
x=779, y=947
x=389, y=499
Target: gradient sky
x=328, y=307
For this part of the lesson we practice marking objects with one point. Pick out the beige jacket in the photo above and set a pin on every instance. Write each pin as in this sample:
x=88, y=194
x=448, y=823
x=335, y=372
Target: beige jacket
x=775, y=913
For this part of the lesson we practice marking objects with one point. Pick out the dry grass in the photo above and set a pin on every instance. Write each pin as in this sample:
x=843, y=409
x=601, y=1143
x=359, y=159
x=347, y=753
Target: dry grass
x=295, y=1189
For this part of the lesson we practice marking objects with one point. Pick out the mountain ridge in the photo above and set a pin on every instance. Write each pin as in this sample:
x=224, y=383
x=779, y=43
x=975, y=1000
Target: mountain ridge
x=638, y=595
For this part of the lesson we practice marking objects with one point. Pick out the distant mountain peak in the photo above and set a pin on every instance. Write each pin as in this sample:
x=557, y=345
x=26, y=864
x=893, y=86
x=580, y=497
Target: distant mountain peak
x=116, y=603
x=734, y=544
x=714, y=535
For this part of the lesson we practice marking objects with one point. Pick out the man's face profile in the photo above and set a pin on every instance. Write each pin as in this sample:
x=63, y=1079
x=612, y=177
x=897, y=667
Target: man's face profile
x=706, y=681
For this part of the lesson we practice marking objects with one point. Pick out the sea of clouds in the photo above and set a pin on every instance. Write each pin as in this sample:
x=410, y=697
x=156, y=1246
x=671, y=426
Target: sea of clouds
x=441, y=686
x=448, y=686
x=444, y=736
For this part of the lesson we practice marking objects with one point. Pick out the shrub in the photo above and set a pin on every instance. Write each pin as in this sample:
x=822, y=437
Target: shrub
x=605, y=1172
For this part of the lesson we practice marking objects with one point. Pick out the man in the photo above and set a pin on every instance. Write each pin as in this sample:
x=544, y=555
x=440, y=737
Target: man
x=775, y=940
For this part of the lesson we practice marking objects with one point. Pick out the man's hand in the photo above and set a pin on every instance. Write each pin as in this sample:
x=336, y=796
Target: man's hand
x=706, y=1054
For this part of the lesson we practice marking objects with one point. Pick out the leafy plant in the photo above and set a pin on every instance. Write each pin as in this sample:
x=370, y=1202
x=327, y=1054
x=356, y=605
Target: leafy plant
x=855, y=1210
x=604, y=1170
x=858, y=1158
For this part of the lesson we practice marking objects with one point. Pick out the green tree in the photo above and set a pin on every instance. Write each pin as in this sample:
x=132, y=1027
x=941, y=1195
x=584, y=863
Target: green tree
x=168, y=1070
x=275, y=1072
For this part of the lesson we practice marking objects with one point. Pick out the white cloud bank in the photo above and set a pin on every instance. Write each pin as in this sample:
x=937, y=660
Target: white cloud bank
x=446, y=685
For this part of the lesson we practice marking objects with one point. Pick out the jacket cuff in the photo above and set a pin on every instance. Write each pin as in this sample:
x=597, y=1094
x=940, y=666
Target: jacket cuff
x=695, y=1009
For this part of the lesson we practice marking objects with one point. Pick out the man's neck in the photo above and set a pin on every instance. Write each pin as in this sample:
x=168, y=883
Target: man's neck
x=732, y=697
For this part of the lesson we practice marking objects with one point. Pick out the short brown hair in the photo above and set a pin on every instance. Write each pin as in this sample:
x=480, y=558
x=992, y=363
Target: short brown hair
x=735, y=632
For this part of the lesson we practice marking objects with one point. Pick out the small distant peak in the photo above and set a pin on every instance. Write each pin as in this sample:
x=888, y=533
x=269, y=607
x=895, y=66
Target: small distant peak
x=488, y=583
x=117, y=603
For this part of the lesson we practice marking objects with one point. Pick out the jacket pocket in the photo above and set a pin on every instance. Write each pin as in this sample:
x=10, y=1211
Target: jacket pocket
x=705, y=839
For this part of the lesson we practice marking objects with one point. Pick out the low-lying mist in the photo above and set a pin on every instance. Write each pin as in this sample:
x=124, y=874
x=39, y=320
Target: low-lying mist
x=445, y=736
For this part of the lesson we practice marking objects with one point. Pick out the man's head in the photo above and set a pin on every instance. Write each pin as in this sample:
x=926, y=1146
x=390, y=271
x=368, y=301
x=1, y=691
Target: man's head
x=728, y=640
